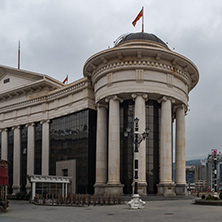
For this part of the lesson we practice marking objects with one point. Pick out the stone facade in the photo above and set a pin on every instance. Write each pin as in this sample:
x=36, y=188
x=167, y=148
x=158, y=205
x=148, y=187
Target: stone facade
x=139, y=70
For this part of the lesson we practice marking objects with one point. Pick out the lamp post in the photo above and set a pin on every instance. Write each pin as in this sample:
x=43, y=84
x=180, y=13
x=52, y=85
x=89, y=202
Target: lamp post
x=136, y=202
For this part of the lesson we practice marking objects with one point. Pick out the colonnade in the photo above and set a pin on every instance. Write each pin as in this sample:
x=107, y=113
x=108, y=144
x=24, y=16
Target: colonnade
x=30, y=152
x=108, y=179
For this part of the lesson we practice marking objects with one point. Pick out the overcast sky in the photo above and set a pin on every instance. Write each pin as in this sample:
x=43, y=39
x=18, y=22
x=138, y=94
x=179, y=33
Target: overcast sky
x=58, y=36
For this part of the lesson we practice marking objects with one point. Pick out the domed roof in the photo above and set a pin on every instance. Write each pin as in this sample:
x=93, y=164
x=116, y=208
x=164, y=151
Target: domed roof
x=139, y=36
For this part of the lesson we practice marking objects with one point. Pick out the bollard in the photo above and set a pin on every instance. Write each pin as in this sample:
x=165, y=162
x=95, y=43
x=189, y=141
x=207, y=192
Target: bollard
x=84, y=200
x=109, y=199
x=119, y=200
x=88, y=200
x=71, y=199
x=94, y=199
x=103, y=200
x=74, y=198
x=114, y=199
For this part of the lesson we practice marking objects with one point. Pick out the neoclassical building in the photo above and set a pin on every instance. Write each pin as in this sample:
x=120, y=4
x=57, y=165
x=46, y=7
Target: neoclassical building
x=77, y=130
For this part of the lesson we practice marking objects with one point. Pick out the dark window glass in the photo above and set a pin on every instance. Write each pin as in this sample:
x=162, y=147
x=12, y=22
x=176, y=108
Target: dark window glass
x=152, y=145
x=23, y=158
x=65, y=172
x=10, y=158
x=6, y=80
x=126, y=146
x=38, y=149
x=73, y=137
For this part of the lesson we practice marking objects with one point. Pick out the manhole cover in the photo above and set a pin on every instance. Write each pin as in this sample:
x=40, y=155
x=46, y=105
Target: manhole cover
x=168, y=214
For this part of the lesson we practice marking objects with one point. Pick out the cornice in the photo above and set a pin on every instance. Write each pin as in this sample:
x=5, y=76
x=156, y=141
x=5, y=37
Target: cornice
x=51, y=96
x=120, y=57
x=36, y=86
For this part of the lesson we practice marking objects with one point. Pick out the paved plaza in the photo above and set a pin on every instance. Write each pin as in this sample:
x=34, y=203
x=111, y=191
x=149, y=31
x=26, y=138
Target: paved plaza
x=166, y=210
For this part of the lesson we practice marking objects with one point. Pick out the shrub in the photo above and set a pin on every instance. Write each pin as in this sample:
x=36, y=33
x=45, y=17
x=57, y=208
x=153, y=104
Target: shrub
x=22, y=196
x=203, y=197
x=220, y=196
x=209, y=197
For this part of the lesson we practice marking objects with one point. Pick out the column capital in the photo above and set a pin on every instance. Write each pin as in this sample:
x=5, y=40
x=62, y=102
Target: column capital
x=16, y=127
x=180, y=106
x=101, y=105
x=45, y=121
x=30, y=124
x=114, y=97
x=165, y=98
x=4, y=130
x=144, y=95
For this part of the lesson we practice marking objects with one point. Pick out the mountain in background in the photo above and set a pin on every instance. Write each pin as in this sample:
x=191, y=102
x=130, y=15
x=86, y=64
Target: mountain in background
x=194, y=162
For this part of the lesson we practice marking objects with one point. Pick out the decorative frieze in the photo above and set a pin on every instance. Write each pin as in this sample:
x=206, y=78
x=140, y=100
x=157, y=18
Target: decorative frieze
x=145, y=64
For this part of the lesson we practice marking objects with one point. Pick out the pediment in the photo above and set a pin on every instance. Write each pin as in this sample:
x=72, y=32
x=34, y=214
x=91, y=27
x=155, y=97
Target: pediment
x=16, y=81
x=13, y=79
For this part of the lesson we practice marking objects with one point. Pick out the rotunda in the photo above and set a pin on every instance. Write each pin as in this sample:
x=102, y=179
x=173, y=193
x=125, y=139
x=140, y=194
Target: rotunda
x=140, y=77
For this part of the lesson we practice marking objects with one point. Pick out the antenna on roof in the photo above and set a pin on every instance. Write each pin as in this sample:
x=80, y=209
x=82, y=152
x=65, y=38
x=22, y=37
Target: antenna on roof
x=19, y=54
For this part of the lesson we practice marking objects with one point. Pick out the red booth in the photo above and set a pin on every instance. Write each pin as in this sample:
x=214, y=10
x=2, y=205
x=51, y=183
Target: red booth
x=3, y=184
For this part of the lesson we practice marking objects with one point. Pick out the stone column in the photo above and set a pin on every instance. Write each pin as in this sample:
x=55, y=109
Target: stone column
x=114, y=186
x=166, y=186
x=16, y=159
x=30, y=153
x=180, y=163
x=33, y=190
x=45, y=147
x=101, y=150
x=66, y=190
x=4, y=144
x=63, y=190
x=140, y=113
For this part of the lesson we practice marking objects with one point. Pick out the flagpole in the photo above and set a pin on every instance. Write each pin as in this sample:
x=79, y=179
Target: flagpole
x=143, y=20
x=19, y=55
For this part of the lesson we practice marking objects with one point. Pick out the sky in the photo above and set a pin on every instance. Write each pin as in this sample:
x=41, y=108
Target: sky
x=58, y=36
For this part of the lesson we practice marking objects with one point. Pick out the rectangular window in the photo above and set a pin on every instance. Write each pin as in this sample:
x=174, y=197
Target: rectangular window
x=65, y=172
x=6, y=80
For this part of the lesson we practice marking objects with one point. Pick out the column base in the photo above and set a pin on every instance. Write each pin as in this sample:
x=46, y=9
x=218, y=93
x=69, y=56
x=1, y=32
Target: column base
x=181, y=189
x=114, y=189
x=28, y=188
x=166, y=190
x=16, y=189
x=99, y=188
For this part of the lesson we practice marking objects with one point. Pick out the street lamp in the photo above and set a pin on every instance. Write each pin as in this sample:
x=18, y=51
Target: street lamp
x=136, y=202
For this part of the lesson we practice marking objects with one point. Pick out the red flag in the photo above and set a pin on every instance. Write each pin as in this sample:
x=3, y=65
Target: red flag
x=65, y=80
x=138, y=17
